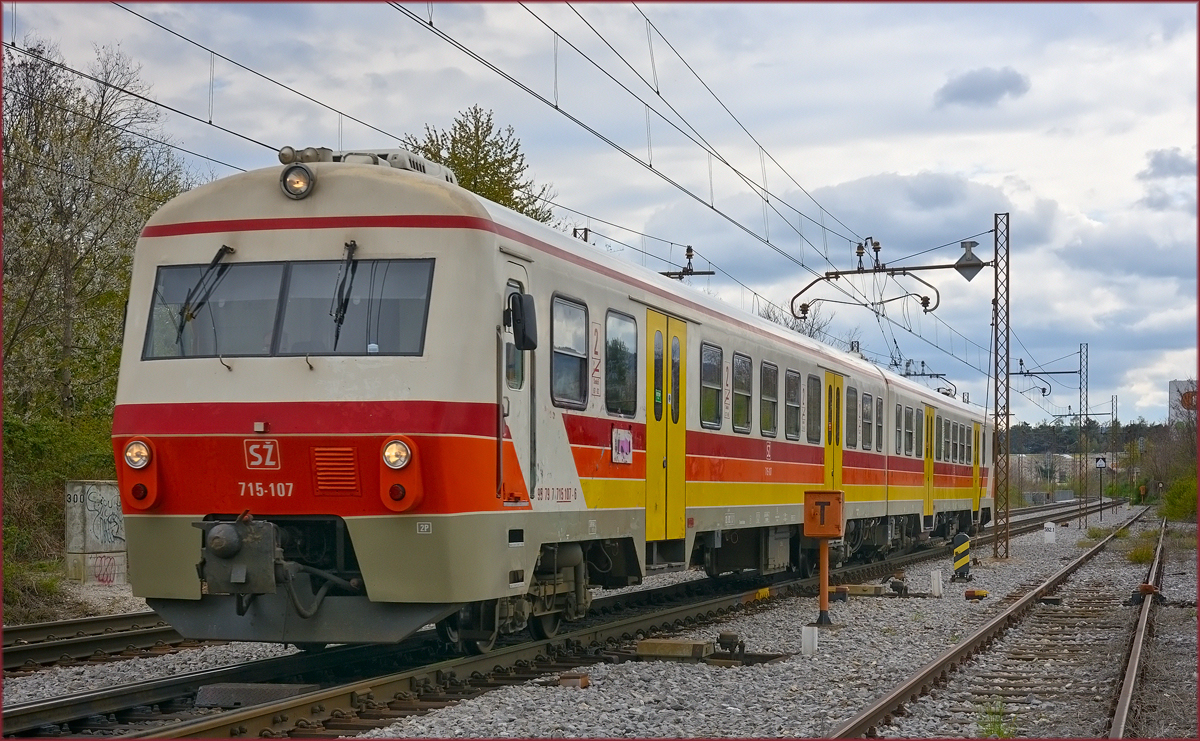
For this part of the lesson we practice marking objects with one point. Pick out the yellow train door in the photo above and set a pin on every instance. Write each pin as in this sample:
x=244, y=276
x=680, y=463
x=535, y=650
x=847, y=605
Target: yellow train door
x=833, y=431
x=666, y=426
x=930, y=422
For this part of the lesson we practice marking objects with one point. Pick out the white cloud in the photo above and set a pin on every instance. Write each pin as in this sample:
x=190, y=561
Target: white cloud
x=1077, y=119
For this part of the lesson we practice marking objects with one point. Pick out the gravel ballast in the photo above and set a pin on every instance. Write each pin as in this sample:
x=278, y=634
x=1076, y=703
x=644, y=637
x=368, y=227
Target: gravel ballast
x=875, y=642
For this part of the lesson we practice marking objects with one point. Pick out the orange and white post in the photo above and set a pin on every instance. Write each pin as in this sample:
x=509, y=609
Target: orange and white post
x=823, y=520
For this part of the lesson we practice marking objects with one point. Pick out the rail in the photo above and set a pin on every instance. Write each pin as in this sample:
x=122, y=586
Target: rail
x=881, y=710
x=1132, y=666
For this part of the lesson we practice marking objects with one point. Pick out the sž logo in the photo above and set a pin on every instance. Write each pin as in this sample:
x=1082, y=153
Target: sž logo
x=262, y=454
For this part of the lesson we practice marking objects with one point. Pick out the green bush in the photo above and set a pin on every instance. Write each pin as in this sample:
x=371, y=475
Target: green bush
x=30, y=590
x=1142, y=554
x=1179, y=501
x=40, y=456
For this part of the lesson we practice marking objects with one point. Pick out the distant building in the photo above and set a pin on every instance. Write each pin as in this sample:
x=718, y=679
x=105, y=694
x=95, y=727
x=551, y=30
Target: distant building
x=1181, y=402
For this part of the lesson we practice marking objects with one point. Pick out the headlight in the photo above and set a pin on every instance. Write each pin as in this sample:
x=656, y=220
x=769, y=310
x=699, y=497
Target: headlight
x=296, y=181
x=137, y=454
x=396, y=454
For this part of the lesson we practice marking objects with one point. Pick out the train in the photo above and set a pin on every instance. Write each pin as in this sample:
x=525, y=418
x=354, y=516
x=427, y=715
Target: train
x=355, y=399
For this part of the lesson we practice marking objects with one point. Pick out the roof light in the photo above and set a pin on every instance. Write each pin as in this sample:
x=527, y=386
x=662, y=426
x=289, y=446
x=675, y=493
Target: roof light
x=297, y=181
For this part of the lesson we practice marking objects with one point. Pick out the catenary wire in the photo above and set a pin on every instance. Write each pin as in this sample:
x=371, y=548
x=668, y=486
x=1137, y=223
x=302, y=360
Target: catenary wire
x=234, y=133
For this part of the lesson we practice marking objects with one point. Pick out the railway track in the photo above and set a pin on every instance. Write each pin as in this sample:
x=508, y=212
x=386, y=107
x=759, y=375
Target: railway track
x=105, y=638
x=1133, y=668
x=31, y=647
x=421, y=679
x=1052, y=649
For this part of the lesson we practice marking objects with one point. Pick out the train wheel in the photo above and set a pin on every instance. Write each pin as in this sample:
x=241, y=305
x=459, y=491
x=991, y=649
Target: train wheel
x=545, y=626
x=481, y=646
x=450, y=629
x=805, y=569
x=447, y=629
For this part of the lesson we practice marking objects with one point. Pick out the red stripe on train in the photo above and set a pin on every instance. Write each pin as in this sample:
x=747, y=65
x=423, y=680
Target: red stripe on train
x=716, y=445
x=307, y=418
x=409, y=221
x=597, y=431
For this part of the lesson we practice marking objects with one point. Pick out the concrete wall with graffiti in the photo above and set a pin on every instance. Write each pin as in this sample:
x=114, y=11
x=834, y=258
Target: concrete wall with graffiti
x=95, y=533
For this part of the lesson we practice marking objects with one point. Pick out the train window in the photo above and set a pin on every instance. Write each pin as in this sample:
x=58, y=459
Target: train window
x=954, y=442
x=278, y=308
x=743, y=383
x=879, y=424
x=791, y=405
x=620, y=364
x=983, y=447
x=867, y=422
x=769, y=403
x=658, y=375
x=710, y=385
x=946, y=442
x=568, y=359
x=829, y=413
x=908, y=430
x=937, y=445
x=899, y=428
x=383, y=308
x=837, y=417
x=852, y=417
x=919, y=431
x=962, y=443
x=675, y=403
x=514, y=359
x=813, y=423
x=234, y=315
x=971, y=446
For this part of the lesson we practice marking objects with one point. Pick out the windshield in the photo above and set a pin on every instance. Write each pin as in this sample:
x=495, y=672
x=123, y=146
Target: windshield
x=264, y=309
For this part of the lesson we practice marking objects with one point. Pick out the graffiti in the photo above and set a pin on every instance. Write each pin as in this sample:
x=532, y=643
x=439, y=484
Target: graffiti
x=104, y=569
x=107, y=525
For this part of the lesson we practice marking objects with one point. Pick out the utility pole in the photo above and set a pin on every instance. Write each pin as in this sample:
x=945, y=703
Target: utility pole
x=1083, y=411
x=1001, y=440
x=968, y=265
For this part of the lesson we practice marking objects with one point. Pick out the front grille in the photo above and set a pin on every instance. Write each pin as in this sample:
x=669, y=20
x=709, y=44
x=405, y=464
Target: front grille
x=336, y=471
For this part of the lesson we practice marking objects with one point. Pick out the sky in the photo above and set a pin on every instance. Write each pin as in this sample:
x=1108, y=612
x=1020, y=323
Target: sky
x=773, y=138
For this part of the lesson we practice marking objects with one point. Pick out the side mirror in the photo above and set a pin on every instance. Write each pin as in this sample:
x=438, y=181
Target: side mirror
x=523, y=319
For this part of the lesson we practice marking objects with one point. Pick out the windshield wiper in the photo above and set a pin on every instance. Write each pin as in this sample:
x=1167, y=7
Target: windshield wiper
x=188, y=312
x=344, y=281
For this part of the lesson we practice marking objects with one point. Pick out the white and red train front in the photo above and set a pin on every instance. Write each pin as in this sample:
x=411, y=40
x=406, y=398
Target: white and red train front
x=299, y=367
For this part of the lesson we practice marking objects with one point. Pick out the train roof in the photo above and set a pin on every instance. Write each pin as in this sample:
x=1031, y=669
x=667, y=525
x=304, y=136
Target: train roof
x=685, y=295
x=685, y=301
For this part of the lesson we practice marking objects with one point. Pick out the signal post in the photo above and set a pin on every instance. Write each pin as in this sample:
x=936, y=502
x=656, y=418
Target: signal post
x=823, y=520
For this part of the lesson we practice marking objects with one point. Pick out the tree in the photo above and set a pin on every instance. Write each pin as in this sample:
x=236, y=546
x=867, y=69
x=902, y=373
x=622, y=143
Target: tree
x=486, y=160
x=80, y=180
x=814, y=326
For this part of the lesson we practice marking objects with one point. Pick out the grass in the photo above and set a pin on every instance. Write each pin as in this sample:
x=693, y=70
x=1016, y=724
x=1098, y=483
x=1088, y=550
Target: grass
x=32, y=591
x=992, y=723
x=1142, y=554
x=1178, y=540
